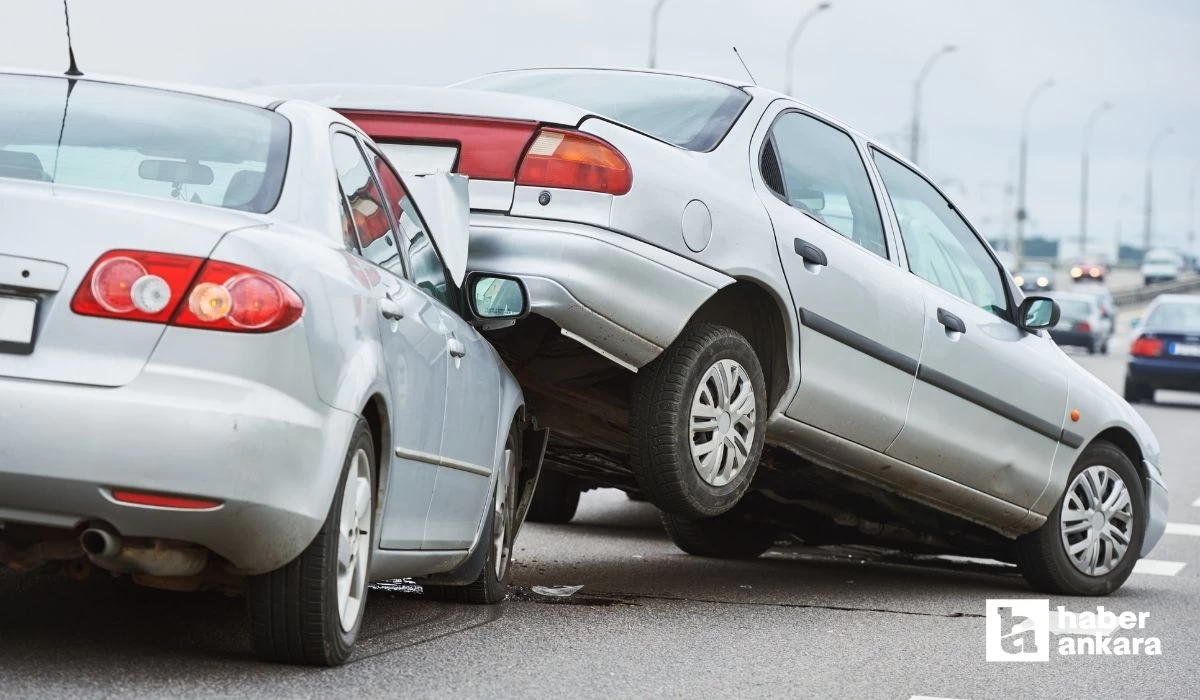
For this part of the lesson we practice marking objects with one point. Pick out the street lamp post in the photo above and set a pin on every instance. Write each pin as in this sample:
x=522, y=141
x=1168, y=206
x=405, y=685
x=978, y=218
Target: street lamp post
x=1083, y=174
x=658, y=5
x=1192, y=209
x=1023, y=168
x=916, y=120
x=1146, y=233
x=790, y=54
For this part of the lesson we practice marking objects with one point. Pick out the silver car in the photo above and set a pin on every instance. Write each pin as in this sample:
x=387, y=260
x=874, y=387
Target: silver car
x=767, y=322
x=234, y=353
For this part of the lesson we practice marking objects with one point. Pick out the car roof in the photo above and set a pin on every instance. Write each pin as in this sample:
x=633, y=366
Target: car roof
x=246, y=98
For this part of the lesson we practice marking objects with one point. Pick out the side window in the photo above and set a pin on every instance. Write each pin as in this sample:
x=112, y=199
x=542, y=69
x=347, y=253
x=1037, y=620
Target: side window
x=366, y=206
x=824, y=177
x=428, y=271
x=941, y=247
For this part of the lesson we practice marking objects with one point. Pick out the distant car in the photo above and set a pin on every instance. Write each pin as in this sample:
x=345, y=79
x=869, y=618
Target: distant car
x=1166, y=351
x=1161, y=265
x=1089, y=269
x=1082, y=323
x=235, y=353
x=1007, y=260
x=1035, y=277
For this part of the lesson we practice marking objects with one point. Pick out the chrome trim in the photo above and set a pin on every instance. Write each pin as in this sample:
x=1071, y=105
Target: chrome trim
x=443, y=461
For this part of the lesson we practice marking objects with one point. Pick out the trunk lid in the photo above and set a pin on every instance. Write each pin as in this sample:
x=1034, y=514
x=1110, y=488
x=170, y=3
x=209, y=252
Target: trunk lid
x=50, y=235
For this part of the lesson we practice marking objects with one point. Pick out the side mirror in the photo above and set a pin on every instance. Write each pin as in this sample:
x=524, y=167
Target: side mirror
x=1037, y=313
x=496, y=301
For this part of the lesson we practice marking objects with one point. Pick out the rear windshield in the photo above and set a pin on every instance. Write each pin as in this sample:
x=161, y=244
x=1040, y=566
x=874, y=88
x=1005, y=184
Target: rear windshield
x=1181, y=317
x=142, y=141
x=1074, y=308
x=1162, y=259
x=691, y=113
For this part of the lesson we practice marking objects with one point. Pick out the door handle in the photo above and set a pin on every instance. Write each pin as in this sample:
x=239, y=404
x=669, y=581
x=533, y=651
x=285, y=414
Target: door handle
x=390, y=309
x=951, y=322
x=811, y=254
x=456, y=348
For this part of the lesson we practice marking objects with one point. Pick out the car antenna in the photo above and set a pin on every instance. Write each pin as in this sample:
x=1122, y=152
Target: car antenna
x=72, y=69
x=735, y=53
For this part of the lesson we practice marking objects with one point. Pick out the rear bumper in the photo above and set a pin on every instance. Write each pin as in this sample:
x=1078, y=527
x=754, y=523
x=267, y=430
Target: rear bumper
x=620, y=296
x=1162, y=373
x=1156, y=498
x=266, y=456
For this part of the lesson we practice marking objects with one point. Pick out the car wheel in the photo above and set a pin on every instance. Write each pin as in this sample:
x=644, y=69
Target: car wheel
x=1091, y=348
x=697, y=422
x=1104, y=347
x=1091, y=541
x=499, y=531
x=727, y=536
x=1136, y=392
x=555, y=500
x=310, y=611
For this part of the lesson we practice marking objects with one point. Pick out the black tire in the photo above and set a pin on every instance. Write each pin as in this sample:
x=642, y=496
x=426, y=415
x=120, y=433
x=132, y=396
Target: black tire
x=294, y=615
x=491, y=586
x=1091, y=348
x=1137, y=392
x=727, y=536
x=1104, y=347
x=660, y=430
x=1042, y=555
x=555, y=500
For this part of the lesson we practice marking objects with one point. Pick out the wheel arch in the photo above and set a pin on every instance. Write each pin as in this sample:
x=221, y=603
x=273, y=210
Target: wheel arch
x=375, y=412
x=1128, y=444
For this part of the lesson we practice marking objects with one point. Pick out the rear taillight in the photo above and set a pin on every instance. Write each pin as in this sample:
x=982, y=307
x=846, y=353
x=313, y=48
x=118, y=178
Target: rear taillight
x=186, y=291
x=574, y=161
x=1083, y=327
x=160, y=500
x=230, y=297
x=135, y=285
x=1147, y=347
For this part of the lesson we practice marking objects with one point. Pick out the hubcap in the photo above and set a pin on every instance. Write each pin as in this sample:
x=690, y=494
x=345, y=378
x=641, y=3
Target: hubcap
x=506, y=488
x=354, y=540
x=1097, y=520
x=722, y=421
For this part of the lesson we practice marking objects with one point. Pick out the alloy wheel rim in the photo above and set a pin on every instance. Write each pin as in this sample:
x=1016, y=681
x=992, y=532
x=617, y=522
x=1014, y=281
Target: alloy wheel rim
x=722, y=422
x=354, y=540
x=1097, y=521
x=501, y=544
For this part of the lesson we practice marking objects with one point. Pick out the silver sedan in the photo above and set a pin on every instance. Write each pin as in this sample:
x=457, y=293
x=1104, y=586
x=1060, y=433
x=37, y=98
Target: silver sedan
x=767, y=322
x=236, y=353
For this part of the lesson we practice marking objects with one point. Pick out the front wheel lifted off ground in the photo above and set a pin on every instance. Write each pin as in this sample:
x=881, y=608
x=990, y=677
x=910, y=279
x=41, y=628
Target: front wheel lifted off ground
x=310, y=611
x=697, y=422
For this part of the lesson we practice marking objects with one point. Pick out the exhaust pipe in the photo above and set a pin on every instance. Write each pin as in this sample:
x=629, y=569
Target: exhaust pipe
x=99, y=543
x=162, y=558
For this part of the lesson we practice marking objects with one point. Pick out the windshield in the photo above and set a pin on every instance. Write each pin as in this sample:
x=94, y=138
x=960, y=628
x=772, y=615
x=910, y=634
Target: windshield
x=691, y=113
x=142, y=141
x=1181, y=317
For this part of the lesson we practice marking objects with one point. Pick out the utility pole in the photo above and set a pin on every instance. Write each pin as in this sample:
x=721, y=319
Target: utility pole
x=1023, y=168
x=790, y=55
x=915, y=141
x=1147, y=233
x=1083, y=175
x=658, y=5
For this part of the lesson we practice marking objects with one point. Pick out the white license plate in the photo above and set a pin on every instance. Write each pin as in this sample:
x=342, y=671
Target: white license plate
x=1186, y=349
x=421, y=159
x=17, y=316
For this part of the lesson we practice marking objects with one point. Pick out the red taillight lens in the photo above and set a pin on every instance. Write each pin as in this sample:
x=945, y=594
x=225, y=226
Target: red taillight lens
x=1147, y=347
x=160, y=500
x=1083, y=327
x=135, y=285
x=231, y=297
x=574, y=161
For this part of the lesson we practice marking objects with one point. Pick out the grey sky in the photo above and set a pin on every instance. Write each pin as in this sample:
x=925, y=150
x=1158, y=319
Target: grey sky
x=856, y=61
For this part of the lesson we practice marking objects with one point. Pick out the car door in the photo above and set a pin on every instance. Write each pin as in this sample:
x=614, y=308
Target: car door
x=413, y=332
x=468, y=441
x=989, y=404
x=861, y=317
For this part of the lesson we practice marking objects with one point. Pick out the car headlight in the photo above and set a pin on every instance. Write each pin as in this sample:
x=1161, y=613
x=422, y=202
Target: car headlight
x=1042, y=281
x=1019, y=280
x=1076, y=272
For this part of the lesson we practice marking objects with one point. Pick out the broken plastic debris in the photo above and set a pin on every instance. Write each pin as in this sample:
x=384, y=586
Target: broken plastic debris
x=556, y=591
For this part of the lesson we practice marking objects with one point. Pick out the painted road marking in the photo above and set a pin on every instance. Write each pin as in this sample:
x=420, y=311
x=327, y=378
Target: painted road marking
x=929, y=697
x=1183, y=529
x=1157, y=567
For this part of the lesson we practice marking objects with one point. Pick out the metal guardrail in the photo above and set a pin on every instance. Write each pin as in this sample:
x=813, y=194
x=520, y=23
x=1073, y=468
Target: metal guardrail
x=1143, y=294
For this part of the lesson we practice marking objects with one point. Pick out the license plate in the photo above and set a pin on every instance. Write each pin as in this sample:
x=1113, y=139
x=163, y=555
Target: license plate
x=1185, y=349
x=421, y=159
x=18, y=318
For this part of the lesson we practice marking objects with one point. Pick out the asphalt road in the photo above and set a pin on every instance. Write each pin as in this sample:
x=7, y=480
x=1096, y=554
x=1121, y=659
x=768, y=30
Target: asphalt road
x=649, y=622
